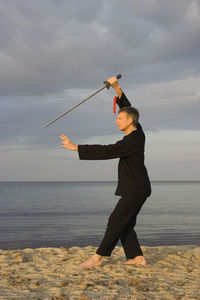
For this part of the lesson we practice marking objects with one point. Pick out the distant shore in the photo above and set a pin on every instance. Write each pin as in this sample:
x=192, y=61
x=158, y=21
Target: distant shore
x=172, y=272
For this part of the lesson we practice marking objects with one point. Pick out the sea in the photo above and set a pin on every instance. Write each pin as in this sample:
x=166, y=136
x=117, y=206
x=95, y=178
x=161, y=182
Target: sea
x=66, y=214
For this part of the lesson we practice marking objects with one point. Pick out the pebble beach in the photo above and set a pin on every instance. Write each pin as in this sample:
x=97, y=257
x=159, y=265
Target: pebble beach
x=172, y=272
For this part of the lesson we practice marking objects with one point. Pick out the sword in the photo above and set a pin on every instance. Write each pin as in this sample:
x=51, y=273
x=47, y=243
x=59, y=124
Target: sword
x=106, y=85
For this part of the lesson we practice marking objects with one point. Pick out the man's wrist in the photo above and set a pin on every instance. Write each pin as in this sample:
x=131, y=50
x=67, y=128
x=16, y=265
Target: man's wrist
x=118, y=91
x=75, y=148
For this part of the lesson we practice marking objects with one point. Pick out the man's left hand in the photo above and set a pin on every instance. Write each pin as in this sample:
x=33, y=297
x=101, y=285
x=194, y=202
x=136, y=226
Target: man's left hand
x=68, y=144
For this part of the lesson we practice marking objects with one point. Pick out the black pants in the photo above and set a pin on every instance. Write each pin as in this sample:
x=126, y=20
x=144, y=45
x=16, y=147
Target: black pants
x=121, y=226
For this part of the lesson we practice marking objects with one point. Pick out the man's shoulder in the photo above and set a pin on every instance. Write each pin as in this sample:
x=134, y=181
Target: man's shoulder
x=131, y=136
x=135, y=137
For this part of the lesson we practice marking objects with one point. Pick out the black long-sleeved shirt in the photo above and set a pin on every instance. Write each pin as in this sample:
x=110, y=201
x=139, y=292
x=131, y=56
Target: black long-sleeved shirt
x=132, y=173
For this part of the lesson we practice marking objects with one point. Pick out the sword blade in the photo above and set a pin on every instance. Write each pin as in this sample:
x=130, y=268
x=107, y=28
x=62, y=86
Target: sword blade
x=69, y=110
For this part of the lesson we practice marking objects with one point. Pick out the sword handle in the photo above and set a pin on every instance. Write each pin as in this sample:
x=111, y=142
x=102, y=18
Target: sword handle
x=107, y=84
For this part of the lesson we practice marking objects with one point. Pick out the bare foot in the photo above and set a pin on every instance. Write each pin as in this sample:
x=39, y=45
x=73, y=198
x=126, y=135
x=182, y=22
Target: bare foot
x=94, y=261
x=138, y=260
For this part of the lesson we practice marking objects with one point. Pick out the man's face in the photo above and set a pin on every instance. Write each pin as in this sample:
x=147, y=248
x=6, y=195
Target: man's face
x=123, y=121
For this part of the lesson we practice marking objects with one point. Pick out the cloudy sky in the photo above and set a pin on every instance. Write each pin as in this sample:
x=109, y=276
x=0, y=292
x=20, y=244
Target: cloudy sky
x=54, y=53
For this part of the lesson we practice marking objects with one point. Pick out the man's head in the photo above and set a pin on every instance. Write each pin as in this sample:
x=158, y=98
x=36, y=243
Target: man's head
x=127, y=118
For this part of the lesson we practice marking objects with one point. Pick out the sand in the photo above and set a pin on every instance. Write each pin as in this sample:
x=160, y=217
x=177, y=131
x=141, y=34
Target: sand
x=173, y=272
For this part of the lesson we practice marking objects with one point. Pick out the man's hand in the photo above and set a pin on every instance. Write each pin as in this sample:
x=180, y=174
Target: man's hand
x=115, y=85
x=68, y=144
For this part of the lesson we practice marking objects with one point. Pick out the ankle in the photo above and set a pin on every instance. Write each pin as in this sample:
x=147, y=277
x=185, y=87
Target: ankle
x=97, y=256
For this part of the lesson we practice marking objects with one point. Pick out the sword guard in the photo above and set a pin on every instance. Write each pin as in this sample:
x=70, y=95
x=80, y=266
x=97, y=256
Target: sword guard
x=107, y=84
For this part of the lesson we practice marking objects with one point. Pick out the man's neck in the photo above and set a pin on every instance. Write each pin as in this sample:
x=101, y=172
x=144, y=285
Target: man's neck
x=130, y=129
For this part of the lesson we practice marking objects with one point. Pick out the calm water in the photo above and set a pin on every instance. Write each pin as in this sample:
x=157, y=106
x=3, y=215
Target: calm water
x=42, y=214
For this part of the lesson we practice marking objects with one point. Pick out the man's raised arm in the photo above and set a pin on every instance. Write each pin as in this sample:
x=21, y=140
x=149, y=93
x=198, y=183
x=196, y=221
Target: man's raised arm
x=121, y=99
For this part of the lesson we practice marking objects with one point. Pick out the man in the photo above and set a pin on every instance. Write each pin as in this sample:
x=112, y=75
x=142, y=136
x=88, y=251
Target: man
x=133, y=182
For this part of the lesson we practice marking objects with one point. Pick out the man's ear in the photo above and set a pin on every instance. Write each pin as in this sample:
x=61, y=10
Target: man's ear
x=130, y=120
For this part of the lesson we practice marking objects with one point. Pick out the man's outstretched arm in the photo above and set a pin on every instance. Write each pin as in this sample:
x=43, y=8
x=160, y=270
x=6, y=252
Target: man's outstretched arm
x=122, y=148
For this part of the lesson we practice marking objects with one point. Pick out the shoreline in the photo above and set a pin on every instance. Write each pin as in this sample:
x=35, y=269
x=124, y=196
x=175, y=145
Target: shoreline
x=172, y=272
x=95, y=241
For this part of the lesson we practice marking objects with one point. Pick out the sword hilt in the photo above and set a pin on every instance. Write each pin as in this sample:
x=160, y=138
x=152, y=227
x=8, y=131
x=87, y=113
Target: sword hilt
x=107, y=84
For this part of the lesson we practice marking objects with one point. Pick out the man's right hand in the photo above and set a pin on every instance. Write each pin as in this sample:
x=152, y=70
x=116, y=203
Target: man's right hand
x=115, y=85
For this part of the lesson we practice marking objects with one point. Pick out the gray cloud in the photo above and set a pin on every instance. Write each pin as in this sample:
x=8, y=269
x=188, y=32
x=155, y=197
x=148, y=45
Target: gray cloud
x=163, y=106
x=53, y=53
x=49, y=46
